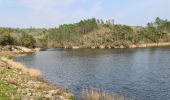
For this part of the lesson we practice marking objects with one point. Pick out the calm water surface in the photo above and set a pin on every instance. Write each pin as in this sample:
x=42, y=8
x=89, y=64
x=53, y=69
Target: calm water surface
x=142, y=73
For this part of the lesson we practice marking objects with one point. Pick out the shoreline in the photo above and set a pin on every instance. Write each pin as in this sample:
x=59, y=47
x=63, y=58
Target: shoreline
x=142, y=45
x=34, y=75
x=28, y=84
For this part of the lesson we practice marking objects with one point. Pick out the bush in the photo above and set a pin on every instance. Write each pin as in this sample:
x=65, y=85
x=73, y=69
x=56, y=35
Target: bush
x=27, y=40
x=6, y=39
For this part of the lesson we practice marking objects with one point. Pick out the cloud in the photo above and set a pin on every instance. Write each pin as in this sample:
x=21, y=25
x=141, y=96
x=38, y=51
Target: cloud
x=50, y=13
x=92, y=12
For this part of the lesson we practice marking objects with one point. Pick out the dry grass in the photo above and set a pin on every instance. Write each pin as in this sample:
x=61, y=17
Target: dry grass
x=32, y=72
x=97, y=95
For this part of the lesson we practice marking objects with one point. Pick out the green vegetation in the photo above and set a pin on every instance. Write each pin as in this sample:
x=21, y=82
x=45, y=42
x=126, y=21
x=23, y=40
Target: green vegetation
x=6, y=39
x=70, y=32
x=27, y=41
x=72, y=98
x=88, y=33
x=17, y=84
x=7, y=92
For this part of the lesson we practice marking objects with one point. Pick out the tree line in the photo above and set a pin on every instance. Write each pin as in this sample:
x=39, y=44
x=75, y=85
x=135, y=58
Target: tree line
x=18, y=38
x=81, y=33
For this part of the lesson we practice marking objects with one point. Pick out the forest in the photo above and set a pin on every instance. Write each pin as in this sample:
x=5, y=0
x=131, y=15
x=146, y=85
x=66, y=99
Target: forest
x=87, y=33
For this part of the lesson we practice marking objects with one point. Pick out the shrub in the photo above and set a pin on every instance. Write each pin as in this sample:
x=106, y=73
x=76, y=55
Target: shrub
x=6, y=39
x=27, y=40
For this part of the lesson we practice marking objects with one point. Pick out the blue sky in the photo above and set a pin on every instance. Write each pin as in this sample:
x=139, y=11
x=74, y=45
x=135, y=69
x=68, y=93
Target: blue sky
x=51, y=13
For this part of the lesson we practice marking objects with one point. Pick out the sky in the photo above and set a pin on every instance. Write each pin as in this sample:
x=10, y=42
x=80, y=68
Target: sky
x=51, y=13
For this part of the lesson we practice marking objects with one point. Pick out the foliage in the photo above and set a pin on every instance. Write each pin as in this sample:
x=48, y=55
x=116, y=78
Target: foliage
x=160, y=26
x=67, y=31
x=6, y=39
x=27, y=40
x=122, y=32
x=7, y=91
x=72, y=98
x=42, y=42
x=88, y=32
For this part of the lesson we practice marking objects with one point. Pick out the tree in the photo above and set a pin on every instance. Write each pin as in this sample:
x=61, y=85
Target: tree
x=98, y=21
x=6, y=39
x=27, y=40
x=101, y=21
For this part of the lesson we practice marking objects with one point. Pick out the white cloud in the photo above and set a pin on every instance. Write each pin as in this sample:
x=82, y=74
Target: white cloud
x=95, y=10
x=50, y=13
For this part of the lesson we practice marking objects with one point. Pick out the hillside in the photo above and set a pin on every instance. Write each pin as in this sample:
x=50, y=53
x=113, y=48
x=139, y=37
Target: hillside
x=90, y=33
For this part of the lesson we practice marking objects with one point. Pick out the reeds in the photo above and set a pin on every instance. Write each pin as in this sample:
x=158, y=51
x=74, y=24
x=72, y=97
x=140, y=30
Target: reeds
x=100, y=95
x=31, y=71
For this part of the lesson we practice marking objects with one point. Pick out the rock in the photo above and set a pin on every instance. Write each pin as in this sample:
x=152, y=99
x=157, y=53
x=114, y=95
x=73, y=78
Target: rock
x=142, y=45
x=115, y=47
x=132, y=46
x=47, y=96
x=66, y=47
x=31, y=84
x=62, y=98
x=93, y=47
x=53, y=91
x=75, y=47
x=101, y=46
x=24, y=49
x=122, y=47
x=152, y=45
x=29, y=94
x=109, y=47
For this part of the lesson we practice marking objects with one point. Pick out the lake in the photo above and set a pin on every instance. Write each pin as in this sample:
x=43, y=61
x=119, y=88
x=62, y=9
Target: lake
x=143, y=73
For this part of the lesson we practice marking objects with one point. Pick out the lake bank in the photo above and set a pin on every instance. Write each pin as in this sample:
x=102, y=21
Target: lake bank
x=136, y=73
x=123, y=46
x=20, y=82
x=96, y=66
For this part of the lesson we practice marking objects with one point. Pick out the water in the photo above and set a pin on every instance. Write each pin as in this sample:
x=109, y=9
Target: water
x=142, y=73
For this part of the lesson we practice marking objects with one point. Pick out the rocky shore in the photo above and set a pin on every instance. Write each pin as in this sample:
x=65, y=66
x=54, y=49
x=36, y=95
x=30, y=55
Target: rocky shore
x=17, y=82
x=18, y=49
x=107, y=46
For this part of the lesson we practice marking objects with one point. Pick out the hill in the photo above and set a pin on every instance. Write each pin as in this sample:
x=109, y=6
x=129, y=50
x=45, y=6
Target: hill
x=90, y=33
